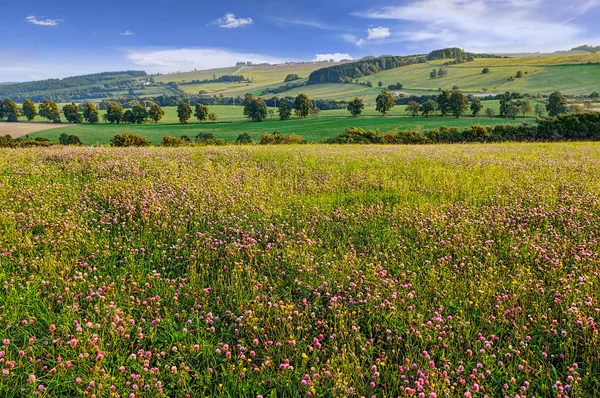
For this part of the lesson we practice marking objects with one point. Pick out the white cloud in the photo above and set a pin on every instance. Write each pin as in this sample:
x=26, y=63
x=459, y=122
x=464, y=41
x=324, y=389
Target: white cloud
x=42, y=22
x=378, y=33
x=489, y=25
x=282, y=22
x=337, y=57
x=127, y=33
x=361, y=42
x=230, y=21
x=173, y=60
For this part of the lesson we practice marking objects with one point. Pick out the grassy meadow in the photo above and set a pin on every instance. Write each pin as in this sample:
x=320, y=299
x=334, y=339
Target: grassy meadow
x=289, y=271
x=231, y=123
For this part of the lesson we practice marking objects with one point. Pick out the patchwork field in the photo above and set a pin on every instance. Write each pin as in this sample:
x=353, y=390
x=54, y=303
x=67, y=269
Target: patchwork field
x=324, y=271
x=16, y=130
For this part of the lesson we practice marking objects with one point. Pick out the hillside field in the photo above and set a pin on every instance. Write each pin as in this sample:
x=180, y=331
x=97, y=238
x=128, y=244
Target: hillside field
x=577, y=74
x=294, y=271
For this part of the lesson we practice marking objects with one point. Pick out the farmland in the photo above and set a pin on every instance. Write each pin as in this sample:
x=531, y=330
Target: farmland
x=440, y=270
x=575, y=74
x=231, y=123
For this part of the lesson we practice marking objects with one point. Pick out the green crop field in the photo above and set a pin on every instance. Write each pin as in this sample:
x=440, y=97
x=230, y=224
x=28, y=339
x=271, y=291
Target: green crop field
x=295, y=271
x=232, y=123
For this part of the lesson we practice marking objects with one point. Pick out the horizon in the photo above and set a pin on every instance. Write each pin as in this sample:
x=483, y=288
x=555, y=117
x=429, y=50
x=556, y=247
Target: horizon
x=62, y=40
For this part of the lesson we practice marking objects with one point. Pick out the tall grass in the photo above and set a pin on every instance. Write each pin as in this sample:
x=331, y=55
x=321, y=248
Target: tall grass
x=464, y=270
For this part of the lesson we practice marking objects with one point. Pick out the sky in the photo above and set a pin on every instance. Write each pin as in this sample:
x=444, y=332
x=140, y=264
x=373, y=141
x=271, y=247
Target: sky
x=54, y=39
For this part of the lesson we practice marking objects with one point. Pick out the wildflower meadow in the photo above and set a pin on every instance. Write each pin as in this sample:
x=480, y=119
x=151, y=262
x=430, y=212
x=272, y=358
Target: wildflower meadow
x=301, y=271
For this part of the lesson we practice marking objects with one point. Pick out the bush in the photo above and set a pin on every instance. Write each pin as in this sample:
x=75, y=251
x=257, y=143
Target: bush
x=243, y=139
x=277, y=139
x=12, y=118
x=172, y=142
x=65, y=139
x=128, y=140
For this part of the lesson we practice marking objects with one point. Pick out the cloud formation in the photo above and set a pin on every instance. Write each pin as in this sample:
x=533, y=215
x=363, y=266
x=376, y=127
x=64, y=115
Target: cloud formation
x=42, y=22
x=181, y=59
x=378, y=33
x=127, y=33
x=337, y=57
x=488, y=25
x=229, y=21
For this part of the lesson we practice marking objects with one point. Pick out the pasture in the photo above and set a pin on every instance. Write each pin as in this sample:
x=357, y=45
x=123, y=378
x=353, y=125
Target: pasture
x=322, y=271
x=232, y=123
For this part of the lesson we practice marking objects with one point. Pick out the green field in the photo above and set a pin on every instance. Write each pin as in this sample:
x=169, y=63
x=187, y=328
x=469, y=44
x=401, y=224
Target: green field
x=232, y=123
x=295, y=271
x=262, y=77
x=576, y=74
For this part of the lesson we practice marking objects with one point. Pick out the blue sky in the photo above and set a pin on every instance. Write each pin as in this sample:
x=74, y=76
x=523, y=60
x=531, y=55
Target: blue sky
x=67, y=37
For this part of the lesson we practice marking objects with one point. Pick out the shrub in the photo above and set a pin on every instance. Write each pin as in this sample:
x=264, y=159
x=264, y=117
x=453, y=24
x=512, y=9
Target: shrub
x=172, y=142
x=275, y=139
x=65, y=139
x=129, y=139
x=243, y=139
x=12, y=118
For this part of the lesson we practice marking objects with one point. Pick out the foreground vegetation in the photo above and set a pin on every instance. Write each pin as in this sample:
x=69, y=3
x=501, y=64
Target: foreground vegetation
x=430, y=271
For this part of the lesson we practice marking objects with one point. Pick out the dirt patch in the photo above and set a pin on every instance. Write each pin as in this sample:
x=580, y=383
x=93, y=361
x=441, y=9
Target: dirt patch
x=16, y=130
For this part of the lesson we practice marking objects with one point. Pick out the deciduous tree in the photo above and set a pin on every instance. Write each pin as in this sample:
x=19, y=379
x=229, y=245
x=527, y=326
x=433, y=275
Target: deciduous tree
x=476, y=106
x=458, y=103
x=155, y=113
x=201, y=112
x=49, y=110
x=385, y=102
x=356, y=107
x=71, y=112
x=413, y=108
x=285, y=111
x=90, y=113
x=303, y=105
x=184, y=112
x=557, y=104
x=429, y=107
x=29, y=110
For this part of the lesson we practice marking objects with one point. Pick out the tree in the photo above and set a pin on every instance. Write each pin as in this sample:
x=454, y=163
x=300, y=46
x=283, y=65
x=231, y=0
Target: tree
x=257, y=110
x=49, y=110
x=315, y=111
x=114, y=113
x=29, y=110
x=433, y=74
x=271, y=113
x=526, y=107
x=519, y=75
x=291, y=77
x=201, y=112
x=485, y=70
x=303, y=105
x=71, y=112
x=489, y=112
x=248, y=98
x=155, y=113
x=140, y=115
x=380, y=84
x=443, y=101
x=539, y=109
x=11, y=107
x=476, y=106
x=429, y=107
x=385, y=102
x=90, y=113
x=594, y=95
x=212, y=117
x=184, y=112
x=128, y=117
x=557, y=104
x=413, y=108
x=514, y=110
x=285, y=111
x=458, y=103
x=356, y=107
x=505, y=104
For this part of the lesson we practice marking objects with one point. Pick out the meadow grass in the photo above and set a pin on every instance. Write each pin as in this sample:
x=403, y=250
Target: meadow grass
x=323, y=271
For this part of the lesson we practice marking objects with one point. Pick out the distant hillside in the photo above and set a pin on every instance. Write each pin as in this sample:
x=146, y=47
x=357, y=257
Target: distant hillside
x=589, y=49
x=98, y=85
